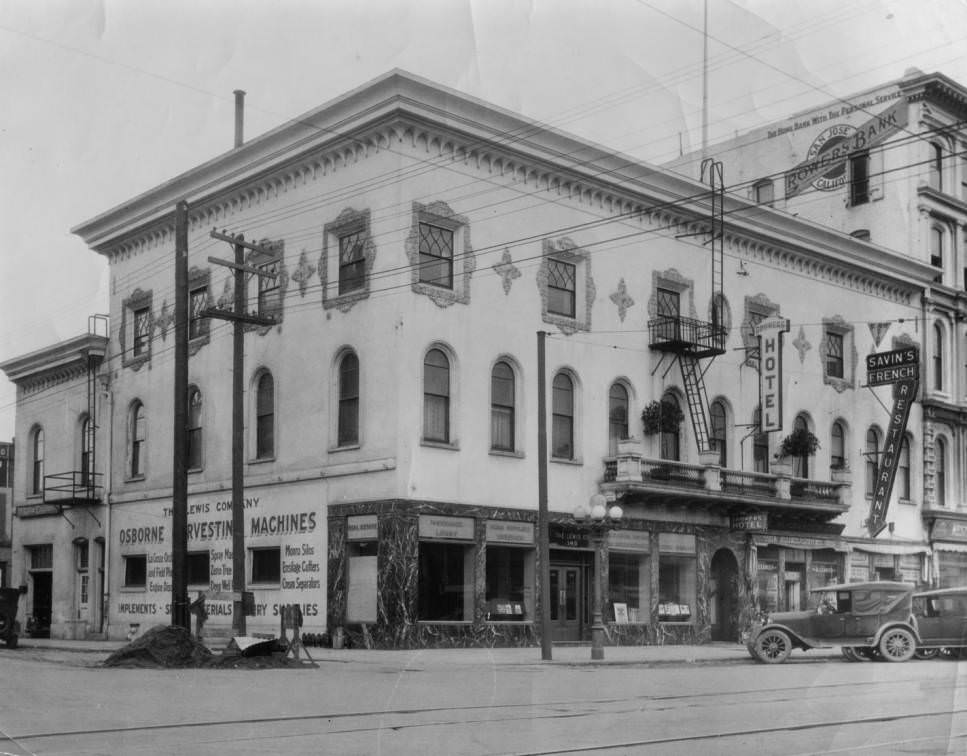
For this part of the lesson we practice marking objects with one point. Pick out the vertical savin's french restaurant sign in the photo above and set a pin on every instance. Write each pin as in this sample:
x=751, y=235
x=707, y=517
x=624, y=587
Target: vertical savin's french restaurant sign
x=899, y=368
x=770, y=333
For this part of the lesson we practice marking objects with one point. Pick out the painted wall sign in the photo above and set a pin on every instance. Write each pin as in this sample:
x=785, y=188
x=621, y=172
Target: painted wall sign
x=904, y=394
x=630, y=540
x=436, y=526
x=949, y=530
x=506, y=531
x=676, y=543
x=890, y=367
x=361, y=528
x=825, y=166
x=770, y=333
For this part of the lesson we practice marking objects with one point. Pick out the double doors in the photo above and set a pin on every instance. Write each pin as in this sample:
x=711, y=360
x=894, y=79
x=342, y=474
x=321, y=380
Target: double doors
x=570, y=589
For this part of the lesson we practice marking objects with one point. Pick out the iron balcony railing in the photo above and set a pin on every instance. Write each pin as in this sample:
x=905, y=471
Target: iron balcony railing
x=674, y=333
x=73, y=487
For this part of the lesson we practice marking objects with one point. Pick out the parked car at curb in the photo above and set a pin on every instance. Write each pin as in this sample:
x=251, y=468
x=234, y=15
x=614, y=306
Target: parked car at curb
x=870, y=618
x=941, y=621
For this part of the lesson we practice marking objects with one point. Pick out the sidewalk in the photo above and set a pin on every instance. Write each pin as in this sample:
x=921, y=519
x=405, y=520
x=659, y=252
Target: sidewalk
x=710, y=653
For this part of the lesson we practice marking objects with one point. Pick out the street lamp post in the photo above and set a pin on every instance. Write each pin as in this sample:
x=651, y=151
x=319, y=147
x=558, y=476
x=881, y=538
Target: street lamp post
x=595, y=519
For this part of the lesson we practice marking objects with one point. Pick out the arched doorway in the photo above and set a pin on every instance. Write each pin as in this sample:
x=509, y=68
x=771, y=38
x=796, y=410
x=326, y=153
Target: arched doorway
x=724, y=604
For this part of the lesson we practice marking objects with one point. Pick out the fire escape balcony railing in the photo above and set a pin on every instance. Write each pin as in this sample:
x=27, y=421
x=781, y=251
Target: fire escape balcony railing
x=73, y=487
x=696, y=338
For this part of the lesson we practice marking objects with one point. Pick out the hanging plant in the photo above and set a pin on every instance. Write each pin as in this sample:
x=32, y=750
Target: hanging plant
x=661, y=417
x=800, y=443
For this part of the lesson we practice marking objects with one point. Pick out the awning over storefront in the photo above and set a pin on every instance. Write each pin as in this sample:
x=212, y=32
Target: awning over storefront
x=903, y=549
x=960, y=548
x=799, y=542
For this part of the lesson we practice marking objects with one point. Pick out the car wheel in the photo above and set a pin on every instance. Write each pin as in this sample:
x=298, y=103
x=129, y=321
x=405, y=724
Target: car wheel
x=773, y=646
x=926, y=653
x=4, y=624
x=897, y=645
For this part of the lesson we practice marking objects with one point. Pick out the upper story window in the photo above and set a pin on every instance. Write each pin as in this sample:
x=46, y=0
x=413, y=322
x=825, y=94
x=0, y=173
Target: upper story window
x=352, y=263
x=859, y=178
x=764, y=192
x=347, y=433
x=436, y=255
x=800, y=464
x=37, y=461
x=502, y=407
x=136, y=440
x=87, y=451
x=194, y=429
x=617, y=416
x=935, y=175
x=270, y=288
x=562, y=417
x=940, y=471
x=872, y=455
x=349, y=252
x=937, y=358
x=837, y=446
x=265, y=416
x=565, y=285
x=436, y=397
x=760, y=444
x=142, y=332
x=937, y=239
x=834, y=355
x=197, y=302
x=903, y=471
x=561, y=288
x=838, y=353
x=718, y=431
x=670, y=442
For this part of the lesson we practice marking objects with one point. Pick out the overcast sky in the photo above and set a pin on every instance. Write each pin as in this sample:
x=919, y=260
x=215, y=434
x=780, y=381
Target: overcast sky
x=103, y=99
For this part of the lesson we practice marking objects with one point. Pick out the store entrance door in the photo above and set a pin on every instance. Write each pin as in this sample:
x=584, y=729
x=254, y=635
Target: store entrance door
x=43, y=590
x=567, y=598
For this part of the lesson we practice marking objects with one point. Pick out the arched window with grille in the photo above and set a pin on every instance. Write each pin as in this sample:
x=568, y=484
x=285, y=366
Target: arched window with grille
x=347, y=432
x=436, y=397
x=503, y=411
x=562, y=417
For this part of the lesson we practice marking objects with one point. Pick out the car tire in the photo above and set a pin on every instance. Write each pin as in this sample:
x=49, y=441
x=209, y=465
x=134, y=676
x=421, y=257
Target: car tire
x=897, y=645
x=772, y=646
x=926, y=653
x=4, y=624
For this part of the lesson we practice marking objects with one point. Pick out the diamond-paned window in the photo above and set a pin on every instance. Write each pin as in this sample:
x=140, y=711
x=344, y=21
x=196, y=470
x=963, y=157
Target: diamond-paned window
x=352, y=262
x=436, y=255
x=198, y=301
x=142, y=331
x=270, y=294
x=834, y=355
x=561, y=288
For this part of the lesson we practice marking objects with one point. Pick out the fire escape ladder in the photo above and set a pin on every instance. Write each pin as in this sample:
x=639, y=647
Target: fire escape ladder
x=693, y=378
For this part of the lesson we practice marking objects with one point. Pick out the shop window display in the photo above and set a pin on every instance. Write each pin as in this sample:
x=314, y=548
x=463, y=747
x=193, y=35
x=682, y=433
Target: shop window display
x=628, y=582
x=510, y=584
x=445, y=582
x=676, y=588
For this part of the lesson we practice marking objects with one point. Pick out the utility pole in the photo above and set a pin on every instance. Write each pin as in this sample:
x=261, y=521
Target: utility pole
x=179, y=484
x=239, y=318
x=543, y=537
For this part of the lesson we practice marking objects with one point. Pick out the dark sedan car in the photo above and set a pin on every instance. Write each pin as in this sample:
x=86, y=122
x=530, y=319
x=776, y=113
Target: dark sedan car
x=874, y=615
x=941, y=620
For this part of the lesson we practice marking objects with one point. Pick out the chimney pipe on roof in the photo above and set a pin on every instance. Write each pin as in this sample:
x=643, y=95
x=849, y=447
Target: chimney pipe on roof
x=239, y=116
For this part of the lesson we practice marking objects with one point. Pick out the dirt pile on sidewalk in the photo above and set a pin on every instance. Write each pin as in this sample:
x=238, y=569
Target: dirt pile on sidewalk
x=162, y=646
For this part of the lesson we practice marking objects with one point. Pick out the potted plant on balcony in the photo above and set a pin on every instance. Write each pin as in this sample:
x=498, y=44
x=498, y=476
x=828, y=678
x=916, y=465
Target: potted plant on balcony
x=800, y=443
x=661, y=417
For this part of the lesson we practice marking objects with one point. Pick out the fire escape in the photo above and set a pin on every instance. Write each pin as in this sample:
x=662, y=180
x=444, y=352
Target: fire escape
x=695, y=343
x=83, y=487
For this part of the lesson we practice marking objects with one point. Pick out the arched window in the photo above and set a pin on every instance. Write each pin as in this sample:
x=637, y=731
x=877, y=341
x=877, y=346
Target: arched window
x=502, y=407
x=194, y=428
x=136, y=433
x=800, y=464
x=37, y=461
x=562, y=417
x=940, y=472
x=837, y=447
x=87, y=452
x=436, y=397
x=760, y=444
x=617, y=416
x=718, y=430
x=347, y=432
x=938, y=356
x=265, y=416
x=872, y=454
x=903, y=471
x=670, y=443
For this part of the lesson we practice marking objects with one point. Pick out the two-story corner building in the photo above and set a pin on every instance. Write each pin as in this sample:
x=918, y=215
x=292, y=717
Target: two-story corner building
x=889, y=166
x=60, y=521
x=411, y=244
x=6, y=509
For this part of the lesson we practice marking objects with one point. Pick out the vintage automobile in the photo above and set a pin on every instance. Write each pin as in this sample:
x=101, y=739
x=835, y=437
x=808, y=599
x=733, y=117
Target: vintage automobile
x=941, y=622
x=873, y=617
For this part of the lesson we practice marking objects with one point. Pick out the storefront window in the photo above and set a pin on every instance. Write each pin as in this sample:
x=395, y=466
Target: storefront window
x=362, y=581
x=199, y=568
x=445, y=582
x=510, y=581
x=136, y=571
x=767, y=583
x=629, y=582
x=267, y=565
x=676, y=588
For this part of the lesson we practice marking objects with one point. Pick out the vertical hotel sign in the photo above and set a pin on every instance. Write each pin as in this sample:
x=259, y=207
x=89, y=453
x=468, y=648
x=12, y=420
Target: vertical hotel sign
x=900, y=369
x=770, y=333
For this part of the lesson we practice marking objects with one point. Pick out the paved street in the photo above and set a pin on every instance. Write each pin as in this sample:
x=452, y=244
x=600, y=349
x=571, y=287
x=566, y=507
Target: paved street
x=671, y=700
